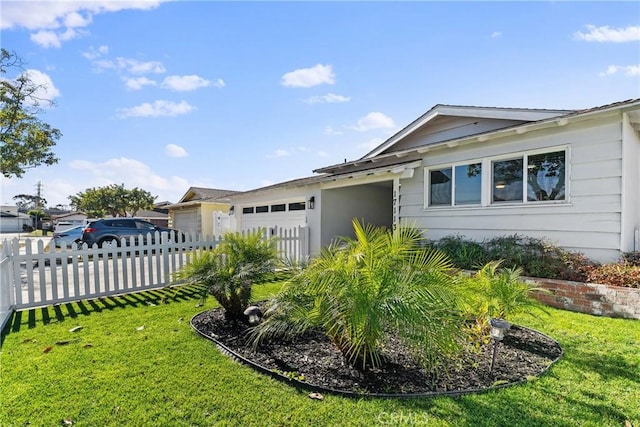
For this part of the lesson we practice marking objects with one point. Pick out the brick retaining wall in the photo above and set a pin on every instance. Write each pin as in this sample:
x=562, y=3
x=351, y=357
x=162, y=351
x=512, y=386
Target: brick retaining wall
x=590, y=298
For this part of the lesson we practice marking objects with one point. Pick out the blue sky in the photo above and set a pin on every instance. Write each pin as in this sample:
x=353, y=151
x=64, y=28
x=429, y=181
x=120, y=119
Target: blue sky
x=239, y=95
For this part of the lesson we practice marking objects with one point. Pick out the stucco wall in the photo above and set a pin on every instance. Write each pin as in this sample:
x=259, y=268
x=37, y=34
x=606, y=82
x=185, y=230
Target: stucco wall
x=206, y=215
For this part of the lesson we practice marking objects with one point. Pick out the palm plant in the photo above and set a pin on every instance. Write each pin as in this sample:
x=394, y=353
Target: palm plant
x=361, y=290
x=229, y=271
x=495, y=291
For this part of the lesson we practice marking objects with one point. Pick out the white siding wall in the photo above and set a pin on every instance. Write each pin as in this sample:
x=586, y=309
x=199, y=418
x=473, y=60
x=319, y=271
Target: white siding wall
x=453, y=128
x=631, y=184
x=590, y=221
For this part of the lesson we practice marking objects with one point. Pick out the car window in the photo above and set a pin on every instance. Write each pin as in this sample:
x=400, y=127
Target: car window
x=126, y=223
x=144, y=225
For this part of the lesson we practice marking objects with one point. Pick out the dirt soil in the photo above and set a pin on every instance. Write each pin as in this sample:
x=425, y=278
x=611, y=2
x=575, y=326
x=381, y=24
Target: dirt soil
x=313, y=359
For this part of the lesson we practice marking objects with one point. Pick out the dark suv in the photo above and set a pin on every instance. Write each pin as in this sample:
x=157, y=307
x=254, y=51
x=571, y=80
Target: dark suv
x=113, y=229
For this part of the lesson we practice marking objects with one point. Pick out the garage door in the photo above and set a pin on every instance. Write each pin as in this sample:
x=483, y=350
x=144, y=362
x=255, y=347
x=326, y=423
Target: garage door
x=273, y=217
x=187, y=221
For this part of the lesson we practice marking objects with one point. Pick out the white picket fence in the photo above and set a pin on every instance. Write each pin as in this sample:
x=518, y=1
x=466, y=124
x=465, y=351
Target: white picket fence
x=39, y=276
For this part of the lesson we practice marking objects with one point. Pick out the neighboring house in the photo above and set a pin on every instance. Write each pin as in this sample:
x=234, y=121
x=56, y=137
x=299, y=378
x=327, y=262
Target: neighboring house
x=201, y=211
x=571, y=177
x=12, y=221
x=158, y=216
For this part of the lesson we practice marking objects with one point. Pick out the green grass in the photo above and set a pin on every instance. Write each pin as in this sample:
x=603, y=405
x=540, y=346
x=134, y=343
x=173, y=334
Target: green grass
x=110, y=373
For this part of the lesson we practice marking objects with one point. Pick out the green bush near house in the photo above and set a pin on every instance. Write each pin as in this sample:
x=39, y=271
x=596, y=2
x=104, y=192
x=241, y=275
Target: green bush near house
x=535, y=257
x=463, y=253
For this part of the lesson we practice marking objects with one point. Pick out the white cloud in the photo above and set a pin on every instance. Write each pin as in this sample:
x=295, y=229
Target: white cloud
x=219, y=83
x=158, y=108
x=173, y=150
x=374, y=120
x=496, y=34
x=138, y=83
x=279, y=153
x=331, y=131
x=56, y=21
x=94, y=53
x=135, y=66
x=46, y=39
x=605, y=34
x=628, y=70
x=128, y=65
x=308, y=77
x=184, y=83
x=45, y=92
x=322, y=154
x=329, y=98
x=131, y=173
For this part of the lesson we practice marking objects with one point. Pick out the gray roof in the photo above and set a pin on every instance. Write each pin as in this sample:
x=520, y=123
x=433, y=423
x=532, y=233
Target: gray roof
x=391, y=161
x=555, y=115
x=204, y=194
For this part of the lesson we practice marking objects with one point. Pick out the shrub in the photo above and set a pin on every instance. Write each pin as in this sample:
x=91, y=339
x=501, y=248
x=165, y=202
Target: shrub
x=360, y=291
x=632, y=258
x=464, y=254
x=535, y=257
x=621, y=274
x=495, y=291
x=229, y=271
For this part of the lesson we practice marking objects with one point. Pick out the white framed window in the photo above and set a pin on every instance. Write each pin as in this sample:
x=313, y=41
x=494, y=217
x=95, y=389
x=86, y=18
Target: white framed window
x=530, y=178
x=538, y=176
x=454, y=185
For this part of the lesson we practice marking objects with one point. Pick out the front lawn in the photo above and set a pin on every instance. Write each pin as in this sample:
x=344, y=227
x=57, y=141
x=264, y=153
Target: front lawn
x=136, y=361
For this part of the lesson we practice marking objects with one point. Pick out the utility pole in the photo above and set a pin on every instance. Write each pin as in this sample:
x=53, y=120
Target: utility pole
x=39, y=195
x=38, y=201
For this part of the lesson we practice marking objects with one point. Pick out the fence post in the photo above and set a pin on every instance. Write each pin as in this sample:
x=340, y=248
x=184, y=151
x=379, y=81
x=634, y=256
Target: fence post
x=166, y=278
x=7, y=292
x=305, y=248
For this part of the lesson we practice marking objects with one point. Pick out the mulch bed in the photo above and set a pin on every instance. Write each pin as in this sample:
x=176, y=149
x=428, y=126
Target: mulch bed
x=312, y=360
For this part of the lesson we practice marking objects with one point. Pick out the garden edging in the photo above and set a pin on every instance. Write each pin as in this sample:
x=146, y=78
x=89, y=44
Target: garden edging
x=589, y=298
x=309, y=386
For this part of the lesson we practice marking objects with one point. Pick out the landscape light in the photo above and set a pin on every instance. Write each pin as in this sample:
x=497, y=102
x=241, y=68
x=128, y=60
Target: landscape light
x=498, y=327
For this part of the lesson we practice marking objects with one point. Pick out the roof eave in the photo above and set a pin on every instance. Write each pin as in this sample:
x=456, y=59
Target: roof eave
x=578, y=115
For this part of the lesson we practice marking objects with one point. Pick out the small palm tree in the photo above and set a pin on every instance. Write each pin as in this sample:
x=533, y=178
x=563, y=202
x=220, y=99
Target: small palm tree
x=499, y=292
x=360, y=290
x=229, y=271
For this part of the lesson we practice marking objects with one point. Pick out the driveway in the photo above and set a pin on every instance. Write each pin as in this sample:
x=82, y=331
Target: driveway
x=23, y=237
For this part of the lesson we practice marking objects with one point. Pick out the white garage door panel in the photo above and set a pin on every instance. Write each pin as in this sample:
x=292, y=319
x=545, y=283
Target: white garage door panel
x=187, y=221
x=273, y=219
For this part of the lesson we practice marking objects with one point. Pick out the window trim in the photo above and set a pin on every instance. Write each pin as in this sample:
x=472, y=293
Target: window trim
x=278, y=207
x=275, y=207
x=452, y=167
x=486, y=189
